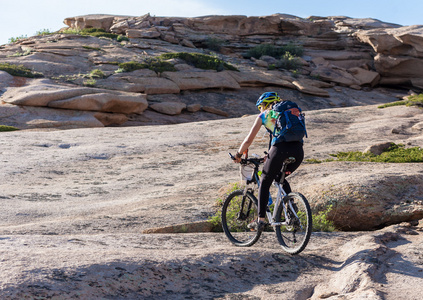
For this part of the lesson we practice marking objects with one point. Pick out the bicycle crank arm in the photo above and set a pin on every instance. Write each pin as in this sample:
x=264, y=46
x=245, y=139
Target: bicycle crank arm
x=279, y=224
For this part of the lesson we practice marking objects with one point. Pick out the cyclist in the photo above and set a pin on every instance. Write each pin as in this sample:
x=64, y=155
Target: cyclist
x=278, y=152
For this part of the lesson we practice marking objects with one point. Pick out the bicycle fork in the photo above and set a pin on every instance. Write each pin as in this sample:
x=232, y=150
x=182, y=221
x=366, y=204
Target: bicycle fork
x=241, y=214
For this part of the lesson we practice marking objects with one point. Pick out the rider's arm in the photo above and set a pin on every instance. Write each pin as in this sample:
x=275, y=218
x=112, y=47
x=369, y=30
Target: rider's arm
x=251, y=135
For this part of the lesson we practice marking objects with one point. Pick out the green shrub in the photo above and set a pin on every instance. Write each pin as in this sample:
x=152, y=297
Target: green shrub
x=71, y=31
x=122, y=38
x=19, y=70
x=44, y=32
x=216, y=219
x=18, y=54
x=96, y=73
x=321, y=222
x=414, y=100
x=15, y=39
x=96, y=32
x=155, y=64
x=288, y=62
x=92, y=48
x=130, y=66
x=201, y=61
x=276, y=52
x=394, y=154
x=7, y=128
x=214, y=44
x=89, y=82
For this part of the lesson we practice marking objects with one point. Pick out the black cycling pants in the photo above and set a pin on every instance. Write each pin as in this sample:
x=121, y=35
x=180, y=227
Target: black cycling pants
x=277, y=154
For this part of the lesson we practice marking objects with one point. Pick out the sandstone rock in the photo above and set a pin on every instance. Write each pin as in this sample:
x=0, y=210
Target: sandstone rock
x=193, y=107
x=215, y=111
x=91, y=21
x=170, y=37
x=169, y=108
x=44, y=93
x=303, y=87
x=402, y=41
x=187, y=43
x=193, y=80
x=183, y=67
x=337, y=75
x=108, y=119
x=147, y=83
x=201, y=226
x=28, y=117
x=105, y=102
x=399, y=66
x=269, y=59
x=380, y=201
x=418, y=127
x=261, y=63
x=379, y=148
x=149, y=33
x=365, y=77
x=5, y=79
x=259, y=78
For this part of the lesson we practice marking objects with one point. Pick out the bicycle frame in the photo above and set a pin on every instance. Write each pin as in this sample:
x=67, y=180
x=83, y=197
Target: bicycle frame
x=280, y=195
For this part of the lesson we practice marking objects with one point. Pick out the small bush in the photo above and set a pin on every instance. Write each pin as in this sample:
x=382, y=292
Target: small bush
x=96, y=32
x=89, y=82
x=130, y=66
x=201, y=61
x=15, y=39
x=321, y=222
x=7, y=128
x=394, y=154
x=154, y=64
x=276, y=52
x=92, y=48
x=288, y=62
x=18, y=54
x=44, y=32
x=216, y=219
x=122, y=38
x=96, y=73
x=71, y=31
x=415, y=100
x=19, y=70
x=214, y=44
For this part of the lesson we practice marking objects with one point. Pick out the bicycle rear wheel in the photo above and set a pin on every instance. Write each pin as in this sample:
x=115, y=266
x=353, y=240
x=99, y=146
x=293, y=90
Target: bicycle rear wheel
x=238, y=212
x=294, y=236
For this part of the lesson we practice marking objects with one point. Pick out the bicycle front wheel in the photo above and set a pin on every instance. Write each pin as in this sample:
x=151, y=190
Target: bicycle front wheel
x=294, y=236
x=238, y=213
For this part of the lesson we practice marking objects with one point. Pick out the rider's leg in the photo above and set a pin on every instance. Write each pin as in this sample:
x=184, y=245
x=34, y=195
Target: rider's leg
x=277, y=154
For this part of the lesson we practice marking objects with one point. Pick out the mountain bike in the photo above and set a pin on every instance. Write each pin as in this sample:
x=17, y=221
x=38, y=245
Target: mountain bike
x=289, y=216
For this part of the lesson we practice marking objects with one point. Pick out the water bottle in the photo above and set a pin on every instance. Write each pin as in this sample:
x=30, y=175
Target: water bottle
x=270, y=200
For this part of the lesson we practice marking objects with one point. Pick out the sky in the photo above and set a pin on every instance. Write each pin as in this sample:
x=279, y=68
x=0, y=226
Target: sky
x=27, y=17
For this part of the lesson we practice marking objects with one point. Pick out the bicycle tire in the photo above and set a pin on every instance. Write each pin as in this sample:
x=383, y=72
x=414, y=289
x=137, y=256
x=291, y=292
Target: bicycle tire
x=294, y=237
x=235, y=223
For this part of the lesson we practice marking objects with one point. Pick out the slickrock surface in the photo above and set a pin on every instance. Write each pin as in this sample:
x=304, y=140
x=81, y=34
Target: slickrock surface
x=75, y=203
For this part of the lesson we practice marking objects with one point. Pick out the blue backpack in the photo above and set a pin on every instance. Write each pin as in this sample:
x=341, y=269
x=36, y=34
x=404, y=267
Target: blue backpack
x=290, y=123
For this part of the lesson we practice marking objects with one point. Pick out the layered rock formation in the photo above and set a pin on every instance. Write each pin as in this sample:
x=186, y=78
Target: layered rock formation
x=338, y=52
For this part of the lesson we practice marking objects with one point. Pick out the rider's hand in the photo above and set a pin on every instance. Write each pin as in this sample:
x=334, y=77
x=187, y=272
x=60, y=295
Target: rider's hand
x=237, y=158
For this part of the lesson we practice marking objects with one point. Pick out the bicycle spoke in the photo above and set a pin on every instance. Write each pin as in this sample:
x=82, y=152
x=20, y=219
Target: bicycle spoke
x=294, y=236
x=238, y=212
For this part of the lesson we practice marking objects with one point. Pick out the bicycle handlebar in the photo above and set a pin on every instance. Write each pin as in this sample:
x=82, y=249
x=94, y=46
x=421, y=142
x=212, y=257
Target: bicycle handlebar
x=245, y=161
